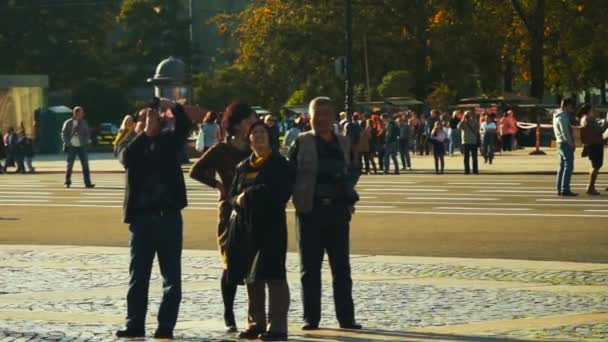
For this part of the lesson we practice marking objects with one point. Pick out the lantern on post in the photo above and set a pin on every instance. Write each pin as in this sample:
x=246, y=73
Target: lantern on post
x=171, y=79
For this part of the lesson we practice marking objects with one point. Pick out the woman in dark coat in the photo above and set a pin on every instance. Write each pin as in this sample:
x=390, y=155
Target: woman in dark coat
x=221, y=160
x=257, y=245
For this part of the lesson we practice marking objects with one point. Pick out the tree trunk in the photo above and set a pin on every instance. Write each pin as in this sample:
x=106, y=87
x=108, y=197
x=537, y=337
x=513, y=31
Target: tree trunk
x=508, y=76
x=537, y=72
x=420, y=72
x=603, y=91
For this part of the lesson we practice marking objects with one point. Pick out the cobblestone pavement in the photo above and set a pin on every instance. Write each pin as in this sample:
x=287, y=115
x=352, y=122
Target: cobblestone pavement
x=78, y=294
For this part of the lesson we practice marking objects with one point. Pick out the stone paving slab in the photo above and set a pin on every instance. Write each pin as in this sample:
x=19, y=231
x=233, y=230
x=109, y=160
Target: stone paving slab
x=78, y=293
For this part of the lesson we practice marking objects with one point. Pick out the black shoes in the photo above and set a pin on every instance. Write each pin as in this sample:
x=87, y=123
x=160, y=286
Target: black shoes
x=230, y=323
x=164, y=334
x=88, y=186
x=351, y=326
x=251, y=334
x=130, y=333
x=569, y=194
x=270, y=336
x=310, y=326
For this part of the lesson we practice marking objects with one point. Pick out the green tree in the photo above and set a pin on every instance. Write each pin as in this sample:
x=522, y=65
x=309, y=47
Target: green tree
x=101, y=102
x=396, y=83
x=216, y=90
x=153, y=31
x=67, y=42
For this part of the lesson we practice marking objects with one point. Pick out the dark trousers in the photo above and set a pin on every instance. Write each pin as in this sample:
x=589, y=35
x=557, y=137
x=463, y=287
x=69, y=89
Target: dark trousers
x=470, y=152
x=155, y=234
x=325, y=228
x=278, y=305
x=369, y=158
x=84, y=162
x=507, y=142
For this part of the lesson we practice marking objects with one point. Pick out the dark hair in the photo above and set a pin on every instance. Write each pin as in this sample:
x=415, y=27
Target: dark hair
x=260, y=123
x=234, y=114
x=584, y=109
x=568, y=101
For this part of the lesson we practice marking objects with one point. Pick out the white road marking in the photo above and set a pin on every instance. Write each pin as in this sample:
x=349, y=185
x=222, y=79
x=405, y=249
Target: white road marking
x=453, y=198
x=23, y=200
x=469, y=208
x=404, y=190
x=518, y=191
x=567, y=200
x=482, y=183
x=25, y=192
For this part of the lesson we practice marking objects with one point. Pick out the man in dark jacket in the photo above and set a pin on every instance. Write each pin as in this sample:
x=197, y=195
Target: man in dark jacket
x=155, y=194
x=76, y=137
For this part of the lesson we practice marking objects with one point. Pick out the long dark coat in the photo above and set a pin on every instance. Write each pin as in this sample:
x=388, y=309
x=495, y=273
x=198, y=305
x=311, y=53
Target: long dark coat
x=257, y=245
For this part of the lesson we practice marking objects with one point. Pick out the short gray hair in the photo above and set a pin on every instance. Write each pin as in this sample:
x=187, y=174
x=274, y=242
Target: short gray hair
x=319, y=102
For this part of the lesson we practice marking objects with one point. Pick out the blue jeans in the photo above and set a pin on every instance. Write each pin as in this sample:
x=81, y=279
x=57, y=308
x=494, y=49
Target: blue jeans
x=390, y=152
x=454, y=140
x=84, y=162
x=404, y=150
x=566, y=167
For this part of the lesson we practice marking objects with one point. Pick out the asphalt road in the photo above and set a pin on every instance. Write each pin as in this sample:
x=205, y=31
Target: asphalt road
x=451, y=215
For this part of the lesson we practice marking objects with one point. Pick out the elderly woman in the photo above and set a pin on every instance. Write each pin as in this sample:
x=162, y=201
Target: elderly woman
x=257, y=246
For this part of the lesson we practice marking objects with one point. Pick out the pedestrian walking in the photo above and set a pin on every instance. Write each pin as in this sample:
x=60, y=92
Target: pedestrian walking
x=76, y=137
x=469, y=129
x=257, y=246
x=592, y=129
x=10, y=141
x=438, y=137
x=380, y=142
x=405, y=137
x=27, y=146
x=222, y=159
x=562, y=128
x=369, y=150
x=391, y=144
x=324, y=198
x=292, y=133
x=508, y=129
x=488, y=131
x=2, y=153
x=209, y=133
x=19, y=151
x=429, y=125
x=155, y=194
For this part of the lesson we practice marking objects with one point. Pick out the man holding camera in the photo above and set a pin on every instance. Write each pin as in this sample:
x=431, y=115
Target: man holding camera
x=76, y=137
x=324, y=198
x=155, y=194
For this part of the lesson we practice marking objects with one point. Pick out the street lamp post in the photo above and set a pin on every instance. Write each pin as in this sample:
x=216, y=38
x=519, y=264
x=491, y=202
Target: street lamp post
x=348, y=100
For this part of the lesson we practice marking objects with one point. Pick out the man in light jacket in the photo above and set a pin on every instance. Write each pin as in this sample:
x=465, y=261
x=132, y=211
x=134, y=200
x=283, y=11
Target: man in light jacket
x=76, y=136
x=565, y=146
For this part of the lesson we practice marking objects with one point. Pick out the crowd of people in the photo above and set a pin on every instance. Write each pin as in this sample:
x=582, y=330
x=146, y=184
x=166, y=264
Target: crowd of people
x=17, y=151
